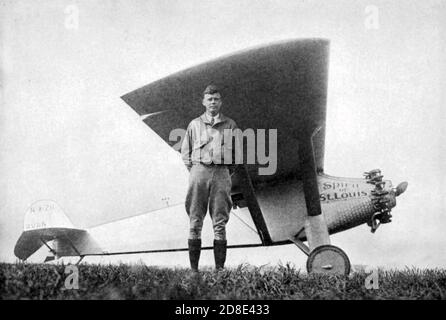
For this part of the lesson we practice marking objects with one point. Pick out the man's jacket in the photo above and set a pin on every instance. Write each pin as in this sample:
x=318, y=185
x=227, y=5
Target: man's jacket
x=211, y=144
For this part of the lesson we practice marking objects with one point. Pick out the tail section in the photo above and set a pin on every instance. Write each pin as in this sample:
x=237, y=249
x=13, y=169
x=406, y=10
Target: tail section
x=45, y=214
x=45, y=221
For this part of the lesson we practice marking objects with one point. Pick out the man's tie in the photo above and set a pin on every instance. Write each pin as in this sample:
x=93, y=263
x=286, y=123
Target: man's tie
x=212, y=121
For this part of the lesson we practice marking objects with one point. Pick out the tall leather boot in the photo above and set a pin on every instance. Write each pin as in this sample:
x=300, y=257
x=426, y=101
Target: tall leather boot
x=194, y=253
x=220, y=253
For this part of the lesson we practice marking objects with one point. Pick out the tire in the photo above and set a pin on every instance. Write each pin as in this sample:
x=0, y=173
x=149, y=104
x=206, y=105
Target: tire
x=328, y=259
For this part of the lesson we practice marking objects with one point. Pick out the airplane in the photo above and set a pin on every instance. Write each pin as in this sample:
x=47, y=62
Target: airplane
x=280, y=86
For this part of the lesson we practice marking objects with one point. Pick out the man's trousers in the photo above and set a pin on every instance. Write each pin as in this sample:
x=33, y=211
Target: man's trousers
x=209, y=185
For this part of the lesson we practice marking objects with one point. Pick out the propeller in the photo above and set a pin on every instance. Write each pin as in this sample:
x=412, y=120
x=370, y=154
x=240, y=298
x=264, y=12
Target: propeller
x=383, y=200
x=401, y=188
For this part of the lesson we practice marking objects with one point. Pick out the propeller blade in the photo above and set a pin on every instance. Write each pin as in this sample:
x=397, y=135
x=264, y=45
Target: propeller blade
x=401, y=188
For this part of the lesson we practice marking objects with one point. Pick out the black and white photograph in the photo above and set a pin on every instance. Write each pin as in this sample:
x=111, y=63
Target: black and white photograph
x=232, y=151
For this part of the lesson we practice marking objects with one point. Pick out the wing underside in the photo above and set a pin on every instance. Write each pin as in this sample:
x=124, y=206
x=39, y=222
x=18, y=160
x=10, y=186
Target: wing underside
x=280, y=88
x=277, y=87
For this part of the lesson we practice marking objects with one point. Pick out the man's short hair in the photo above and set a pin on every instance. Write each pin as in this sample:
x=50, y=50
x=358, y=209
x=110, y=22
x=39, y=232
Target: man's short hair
x=211, y=89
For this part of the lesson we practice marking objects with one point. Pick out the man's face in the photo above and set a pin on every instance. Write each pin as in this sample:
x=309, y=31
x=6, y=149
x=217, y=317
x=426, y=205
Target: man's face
x=212, y=102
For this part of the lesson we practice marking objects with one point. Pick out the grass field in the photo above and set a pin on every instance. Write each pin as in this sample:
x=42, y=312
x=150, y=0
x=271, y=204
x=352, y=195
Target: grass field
x=137, y=281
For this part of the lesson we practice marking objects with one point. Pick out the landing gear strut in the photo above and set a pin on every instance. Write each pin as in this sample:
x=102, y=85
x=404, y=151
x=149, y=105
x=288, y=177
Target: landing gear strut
x=323, y=258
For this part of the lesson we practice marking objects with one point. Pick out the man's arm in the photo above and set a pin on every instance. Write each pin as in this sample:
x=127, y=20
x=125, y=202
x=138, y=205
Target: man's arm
x=186, y=148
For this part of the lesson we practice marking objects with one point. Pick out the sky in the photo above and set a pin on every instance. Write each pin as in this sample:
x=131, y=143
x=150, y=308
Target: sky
x=66, y=135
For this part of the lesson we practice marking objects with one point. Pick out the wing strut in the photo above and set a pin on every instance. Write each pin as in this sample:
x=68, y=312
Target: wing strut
x=315, y=226
x=253, y=205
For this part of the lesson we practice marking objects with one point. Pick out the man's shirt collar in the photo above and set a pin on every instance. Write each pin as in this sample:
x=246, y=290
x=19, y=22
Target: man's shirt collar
x=217, y=119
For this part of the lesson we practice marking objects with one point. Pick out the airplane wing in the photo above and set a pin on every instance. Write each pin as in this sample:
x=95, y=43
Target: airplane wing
x=281, y=86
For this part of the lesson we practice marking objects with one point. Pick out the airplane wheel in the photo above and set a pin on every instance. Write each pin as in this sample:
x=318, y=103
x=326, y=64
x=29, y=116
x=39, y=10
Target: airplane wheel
x=328, y=259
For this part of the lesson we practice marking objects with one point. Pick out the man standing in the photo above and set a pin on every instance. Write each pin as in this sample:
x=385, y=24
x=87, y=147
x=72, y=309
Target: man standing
x=204, y=150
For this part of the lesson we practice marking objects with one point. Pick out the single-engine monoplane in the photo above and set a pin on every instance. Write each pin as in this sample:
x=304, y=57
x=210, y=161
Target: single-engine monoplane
x=281, y=87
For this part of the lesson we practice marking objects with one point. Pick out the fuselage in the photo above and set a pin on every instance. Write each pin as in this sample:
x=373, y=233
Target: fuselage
x=346, y=203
